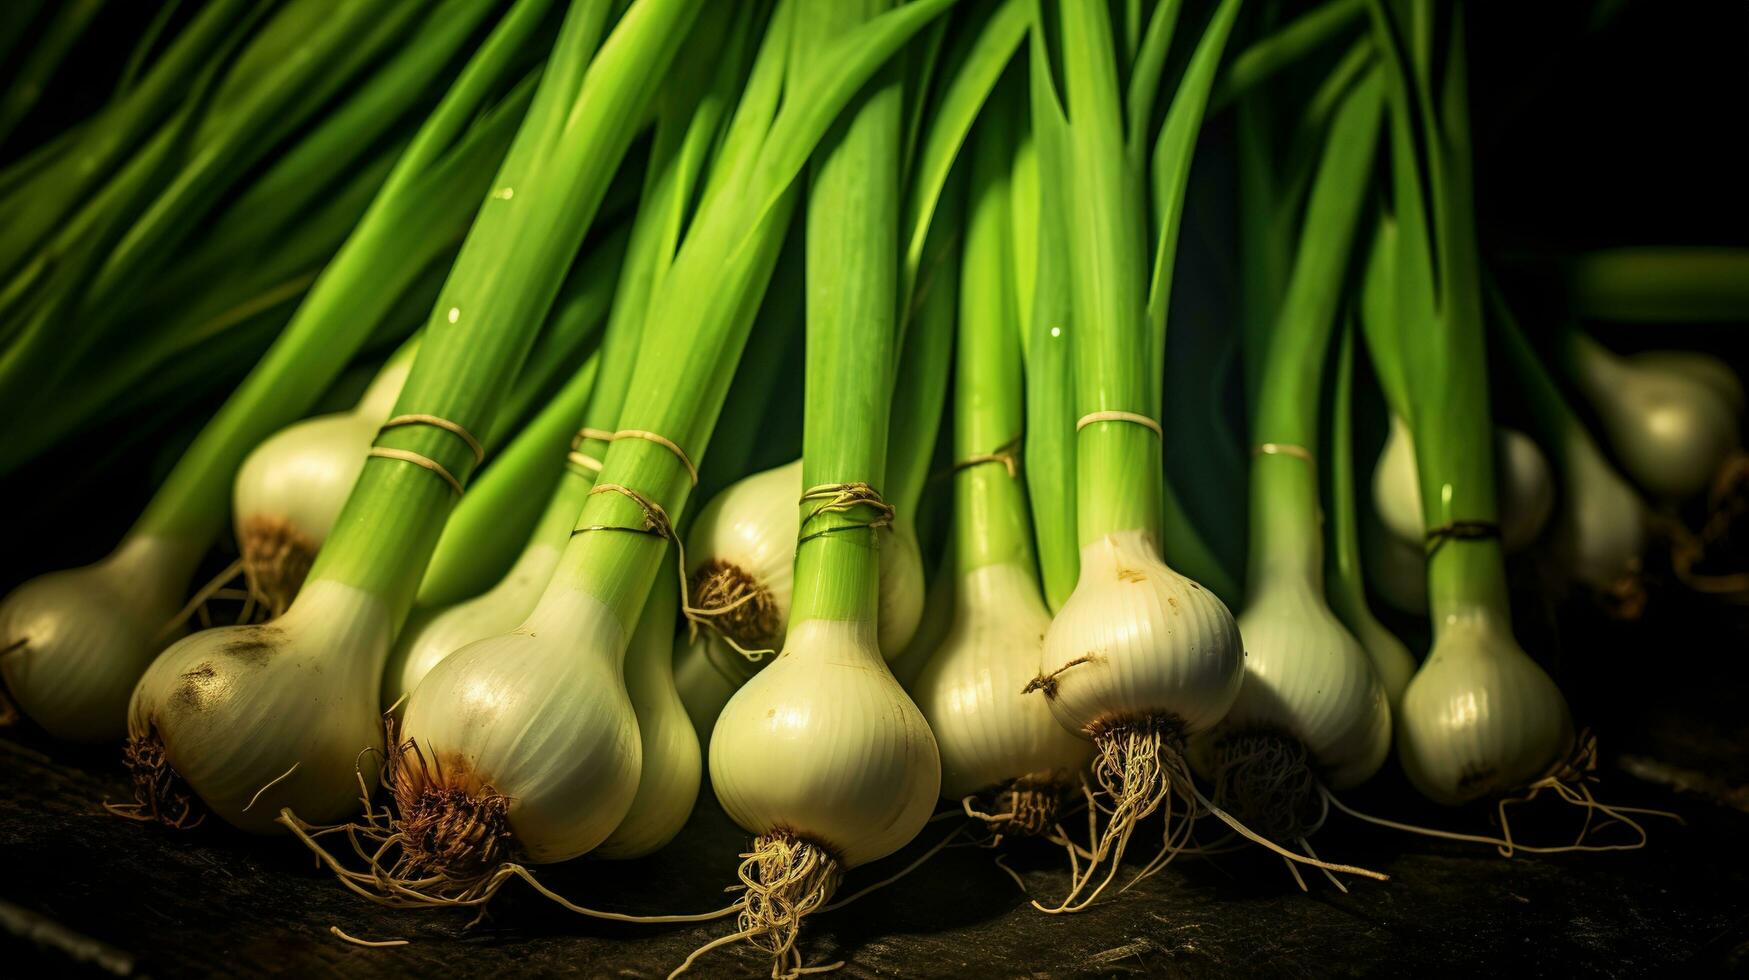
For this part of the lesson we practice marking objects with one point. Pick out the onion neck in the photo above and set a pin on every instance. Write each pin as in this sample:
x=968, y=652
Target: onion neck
x=1287, y=543
x=1467, y=579
x=1118, y=481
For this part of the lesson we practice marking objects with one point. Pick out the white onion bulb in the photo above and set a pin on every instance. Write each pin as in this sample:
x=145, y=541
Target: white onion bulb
x=990, y=733
x=824, y=745
x=672, y=760
x=285, y=710
x=1480, y=718
x=707, y=674
x=1307, y=677
x=1671, y=429
x=73, y=643
x=1601, y=529
x=539, y=717
x=433, y=634
x=1136, y=640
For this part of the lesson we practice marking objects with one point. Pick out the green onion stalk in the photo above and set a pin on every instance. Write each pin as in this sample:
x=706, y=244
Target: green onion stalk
x=273, y=276
x=1311, y=712
x=1479, y=718
x=117, y=245
x=741, y=549
x=1139, y=657
x=290, y=490
x=575, y=428
x=73, y=643
x=821, y=755
x=1660, y=285
x=43, y=197
x=253, y=720
x=1004, y=758
x=1525, y=490
x=525, y=747
x=707, y=671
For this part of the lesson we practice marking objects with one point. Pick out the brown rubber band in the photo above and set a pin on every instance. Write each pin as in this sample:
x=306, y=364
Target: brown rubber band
x=446, y=425
x=839, y=498
x=408, y=456
x=586, y=433
x=664, y=442
x=1115, y=416
x=1460, y=531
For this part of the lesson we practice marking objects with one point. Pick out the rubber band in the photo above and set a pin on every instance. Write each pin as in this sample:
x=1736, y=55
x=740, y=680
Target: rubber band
x=1114, y=416
x=446, y=425
x=664, y=442
x=407, y=456
x=842, y=497
x=1460, y=531
x=1285, y=449
x=586, y=433
x=1006, y=454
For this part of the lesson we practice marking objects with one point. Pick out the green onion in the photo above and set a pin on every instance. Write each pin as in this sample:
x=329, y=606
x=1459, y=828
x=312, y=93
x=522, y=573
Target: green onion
x=326, y=653
x=1311, y=709
x=1003, y=757
x=570, y=772
x=822, y=756
x=1139, y=657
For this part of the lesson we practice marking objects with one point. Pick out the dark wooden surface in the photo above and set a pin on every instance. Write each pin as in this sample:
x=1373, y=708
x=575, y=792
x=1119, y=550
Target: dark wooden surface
x=135, y=900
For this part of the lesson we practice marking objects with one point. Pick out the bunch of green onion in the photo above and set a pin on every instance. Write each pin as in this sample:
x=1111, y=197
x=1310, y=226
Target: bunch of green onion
x=480, y=284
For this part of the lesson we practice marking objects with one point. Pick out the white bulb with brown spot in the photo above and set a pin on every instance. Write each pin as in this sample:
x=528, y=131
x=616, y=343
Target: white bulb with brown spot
x=1136, y=640
x=748, y=532
x=281, y=714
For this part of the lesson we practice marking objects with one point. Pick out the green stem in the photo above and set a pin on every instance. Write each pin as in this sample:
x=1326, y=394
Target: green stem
x=506, y=277
x=700, y=319
x=1288, y=46
x=1118, y=462
x=852, y=330
x=1441, y=333
x=487, y=530
x=566, y=337
x=1661, y=285
x=1050, y=380
x=1285, y=511
x=991, y=519
x=920, y=387
x=383, y=255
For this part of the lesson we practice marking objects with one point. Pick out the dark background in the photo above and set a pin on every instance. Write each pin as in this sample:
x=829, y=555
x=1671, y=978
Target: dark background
x=1597, y=124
